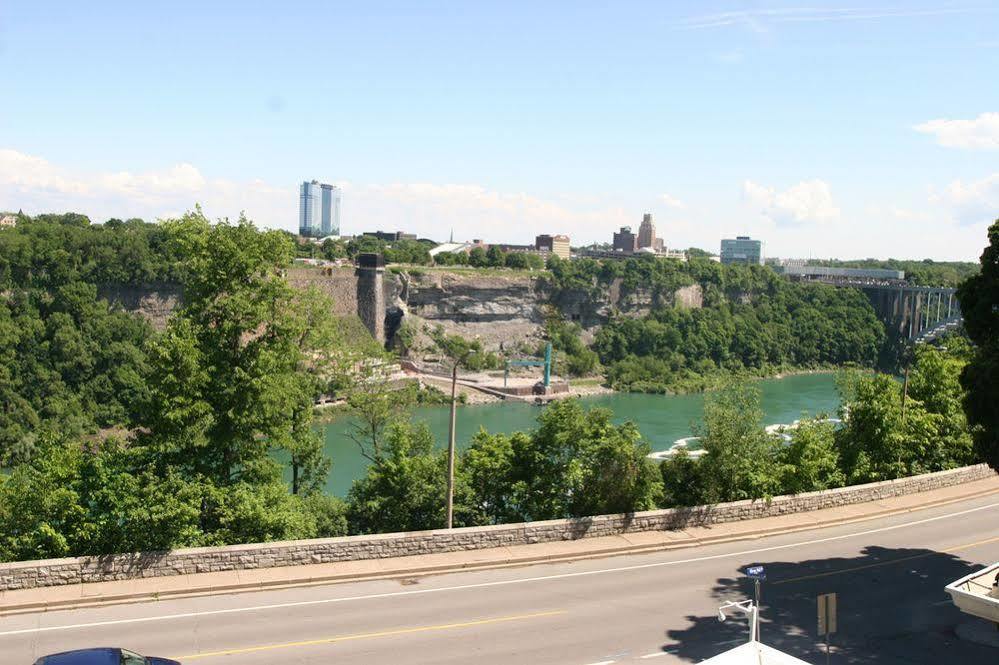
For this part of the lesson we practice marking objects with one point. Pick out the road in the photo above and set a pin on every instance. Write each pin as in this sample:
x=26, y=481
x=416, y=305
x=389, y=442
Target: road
x=661, y=607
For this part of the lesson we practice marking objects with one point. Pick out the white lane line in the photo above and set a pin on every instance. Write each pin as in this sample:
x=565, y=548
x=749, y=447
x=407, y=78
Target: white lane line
x=657, y=654
x=483, y=585
x=603, y=662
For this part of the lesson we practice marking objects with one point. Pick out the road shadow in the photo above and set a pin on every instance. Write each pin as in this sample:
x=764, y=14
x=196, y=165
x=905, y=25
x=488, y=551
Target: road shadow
x=892, y=610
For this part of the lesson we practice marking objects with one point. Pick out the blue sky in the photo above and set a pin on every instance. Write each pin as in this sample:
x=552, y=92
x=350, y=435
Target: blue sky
x=846, y=129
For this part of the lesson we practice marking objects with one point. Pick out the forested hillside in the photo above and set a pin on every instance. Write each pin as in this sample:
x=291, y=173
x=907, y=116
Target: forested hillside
x=752, y=321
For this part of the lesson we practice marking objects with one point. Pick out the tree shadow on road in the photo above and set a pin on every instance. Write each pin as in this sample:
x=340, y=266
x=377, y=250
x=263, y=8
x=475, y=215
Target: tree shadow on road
x=892, y=609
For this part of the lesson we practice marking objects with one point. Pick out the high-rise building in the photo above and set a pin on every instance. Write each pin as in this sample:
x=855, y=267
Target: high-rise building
x=742, y=249
x=557, y=245
x=318, y=210
x=625, y=241
x=647, y=232
x=331, y=210
x=309, y=209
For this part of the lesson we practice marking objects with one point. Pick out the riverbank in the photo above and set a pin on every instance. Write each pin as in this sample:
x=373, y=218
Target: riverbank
x=694, y=384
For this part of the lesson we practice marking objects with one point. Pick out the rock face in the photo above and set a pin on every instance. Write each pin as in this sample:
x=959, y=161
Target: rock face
x=156, y=301
x=493, y=307
x=592, y=307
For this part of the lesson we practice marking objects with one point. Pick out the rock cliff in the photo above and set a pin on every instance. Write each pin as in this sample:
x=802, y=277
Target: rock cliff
x=491, y=306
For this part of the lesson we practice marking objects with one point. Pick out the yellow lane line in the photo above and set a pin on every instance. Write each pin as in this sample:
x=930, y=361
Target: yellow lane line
x=956, y=548
x=365, y=636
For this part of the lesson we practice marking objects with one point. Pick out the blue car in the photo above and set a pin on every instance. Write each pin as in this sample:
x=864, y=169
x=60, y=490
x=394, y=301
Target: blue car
x=103, y=656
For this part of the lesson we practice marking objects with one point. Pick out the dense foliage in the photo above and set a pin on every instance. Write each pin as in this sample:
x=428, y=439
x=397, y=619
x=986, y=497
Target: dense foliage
x=979, y=297
x=880, y=439
x=494, y=257
x=49, y=251
x=207, y=407
x=752, y=321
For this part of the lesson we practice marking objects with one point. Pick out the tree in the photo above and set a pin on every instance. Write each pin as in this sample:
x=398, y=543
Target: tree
x=575, y=463
x=230, y=376
x=375, y=406
x=979, y=298
x=405, y=487
x=810, y=462
x=741, y=458
x=477, y=258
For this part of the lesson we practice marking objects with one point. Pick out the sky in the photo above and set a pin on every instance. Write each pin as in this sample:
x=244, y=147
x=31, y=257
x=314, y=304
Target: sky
x=826, y=129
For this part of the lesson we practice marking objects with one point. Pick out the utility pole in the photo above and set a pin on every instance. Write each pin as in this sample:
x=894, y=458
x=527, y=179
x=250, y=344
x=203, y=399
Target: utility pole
x=450, y=439
x=450, y=448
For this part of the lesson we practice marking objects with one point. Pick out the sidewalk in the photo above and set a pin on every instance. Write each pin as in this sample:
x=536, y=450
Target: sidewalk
x=158, y=588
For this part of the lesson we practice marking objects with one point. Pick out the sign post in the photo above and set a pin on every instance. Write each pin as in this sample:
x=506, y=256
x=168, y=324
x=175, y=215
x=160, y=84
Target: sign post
x=827, y=618
x=757, y=574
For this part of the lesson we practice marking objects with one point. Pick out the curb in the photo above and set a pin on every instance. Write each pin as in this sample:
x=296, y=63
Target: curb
x=424, y=571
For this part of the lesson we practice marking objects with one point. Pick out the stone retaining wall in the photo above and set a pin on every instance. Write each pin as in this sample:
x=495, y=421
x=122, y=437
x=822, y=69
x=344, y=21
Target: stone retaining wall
x=30, y=574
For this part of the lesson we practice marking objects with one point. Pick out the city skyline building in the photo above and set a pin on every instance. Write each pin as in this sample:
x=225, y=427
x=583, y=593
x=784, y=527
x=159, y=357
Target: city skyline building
x=625, y=241
x=318, y=209
x=647, y=232
x=554, y=244
x=742, y=249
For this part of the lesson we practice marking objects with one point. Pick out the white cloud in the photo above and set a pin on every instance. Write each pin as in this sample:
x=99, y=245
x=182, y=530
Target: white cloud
x=757, y=20
x=807, y=202
x=974, y=202
x=429, y=210
x=981, y=133
x=673, y=202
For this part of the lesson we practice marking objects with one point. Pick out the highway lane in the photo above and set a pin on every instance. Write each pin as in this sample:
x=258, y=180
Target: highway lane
x=661, y=607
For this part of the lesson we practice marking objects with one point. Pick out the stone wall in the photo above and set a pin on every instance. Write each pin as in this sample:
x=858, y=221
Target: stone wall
x=53, y=572
x=339, y=284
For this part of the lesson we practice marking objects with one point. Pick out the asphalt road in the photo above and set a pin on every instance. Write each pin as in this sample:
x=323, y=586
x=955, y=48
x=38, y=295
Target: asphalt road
x=889, y=575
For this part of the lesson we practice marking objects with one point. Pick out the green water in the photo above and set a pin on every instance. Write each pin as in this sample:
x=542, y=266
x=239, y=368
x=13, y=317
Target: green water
x=662, y=419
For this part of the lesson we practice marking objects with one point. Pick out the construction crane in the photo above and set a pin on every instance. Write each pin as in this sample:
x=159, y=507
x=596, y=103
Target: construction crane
x=546, y=363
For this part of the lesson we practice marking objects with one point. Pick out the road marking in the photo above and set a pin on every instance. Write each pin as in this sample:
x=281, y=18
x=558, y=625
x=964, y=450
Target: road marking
x=366, y=636
x=830, y=573
x=602, y=662
x=968, y=546
x=657, y=654
x=497, y=583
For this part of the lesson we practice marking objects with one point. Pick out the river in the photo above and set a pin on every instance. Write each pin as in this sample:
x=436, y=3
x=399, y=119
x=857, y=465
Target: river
x=662, y=419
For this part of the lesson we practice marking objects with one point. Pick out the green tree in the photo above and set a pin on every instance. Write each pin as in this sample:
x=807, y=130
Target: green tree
x=575, y=463
x=741, y=458
x=229, y=377
x=979, y=297
x=810, y=462
x=682, y=481
x=405, y=488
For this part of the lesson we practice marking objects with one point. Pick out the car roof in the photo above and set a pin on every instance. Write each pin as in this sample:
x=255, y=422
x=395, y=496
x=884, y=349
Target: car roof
x=100, y=656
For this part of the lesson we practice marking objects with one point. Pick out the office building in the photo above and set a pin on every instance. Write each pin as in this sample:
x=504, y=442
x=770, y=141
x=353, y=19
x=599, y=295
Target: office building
x=557, y=245
x=330, y=223
x=318, y=210
x=742, y=249
x=647, y=235
x=625, y=241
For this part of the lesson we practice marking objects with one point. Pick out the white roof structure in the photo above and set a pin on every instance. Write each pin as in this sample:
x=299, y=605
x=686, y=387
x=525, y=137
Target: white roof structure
x=753, y=653
x=451, y=248
x=978, y=593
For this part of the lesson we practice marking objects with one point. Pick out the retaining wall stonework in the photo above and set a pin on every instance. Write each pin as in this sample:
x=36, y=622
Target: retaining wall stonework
x=52, y=572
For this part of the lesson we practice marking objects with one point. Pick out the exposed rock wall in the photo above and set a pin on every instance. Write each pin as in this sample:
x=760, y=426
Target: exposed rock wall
x=155, y=301
x=491, y=306
x=54, y=572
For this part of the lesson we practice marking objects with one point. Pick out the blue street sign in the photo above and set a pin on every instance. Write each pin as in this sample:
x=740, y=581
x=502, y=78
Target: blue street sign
x=756, y=572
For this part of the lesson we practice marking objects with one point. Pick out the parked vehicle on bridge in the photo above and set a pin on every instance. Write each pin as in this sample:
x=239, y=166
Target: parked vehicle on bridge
x=102, y=656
